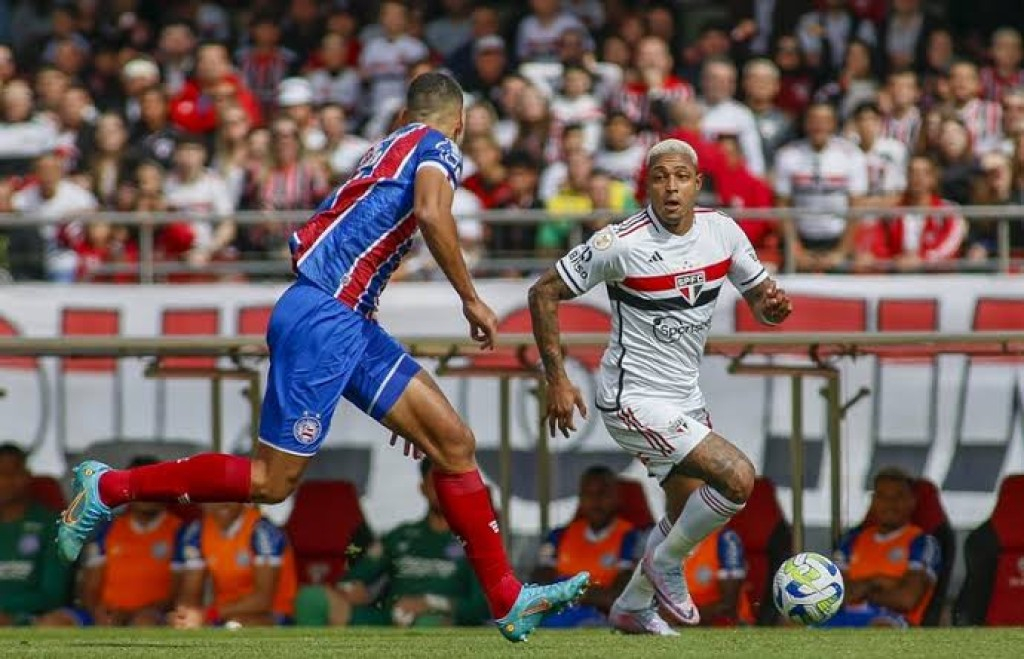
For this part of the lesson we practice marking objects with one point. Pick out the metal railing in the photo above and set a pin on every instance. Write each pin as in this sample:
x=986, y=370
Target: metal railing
x=150, y=268
x=819, y=352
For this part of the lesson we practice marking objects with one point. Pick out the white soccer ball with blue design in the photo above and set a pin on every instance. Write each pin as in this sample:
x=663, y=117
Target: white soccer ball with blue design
x=808, y=589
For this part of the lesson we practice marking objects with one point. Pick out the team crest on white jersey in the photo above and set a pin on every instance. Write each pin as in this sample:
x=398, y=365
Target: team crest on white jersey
x=690, y=285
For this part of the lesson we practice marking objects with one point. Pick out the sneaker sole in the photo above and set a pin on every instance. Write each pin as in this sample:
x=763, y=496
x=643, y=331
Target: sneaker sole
x=666, y=601
x=633, y=628
x=556, y=609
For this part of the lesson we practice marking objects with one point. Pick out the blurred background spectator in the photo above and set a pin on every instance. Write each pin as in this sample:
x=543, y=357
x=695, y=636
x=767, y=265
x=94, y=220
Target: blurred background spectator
x=598, y=541
x=242, y=561
x=415, y=576
x=126, y=577
x=33, y=580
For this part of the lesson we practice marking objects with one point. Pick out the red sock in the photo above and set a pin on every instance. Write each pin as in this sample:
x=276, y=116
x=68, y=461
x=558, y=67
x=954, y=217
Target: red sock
x=466, y=504
x=203, y=478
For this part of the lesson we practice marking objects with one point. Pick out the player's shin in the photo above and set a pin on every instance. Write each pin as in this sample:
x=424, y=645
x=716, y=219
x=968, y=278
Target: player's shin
x=639, y=593
x=466, y=504
x=207, y=477
x=705, y=511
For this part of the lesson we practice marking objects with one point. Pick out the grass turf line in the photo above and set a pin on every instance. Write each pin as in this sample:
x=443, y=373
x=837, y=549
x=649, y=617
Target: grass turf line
x=477, y=643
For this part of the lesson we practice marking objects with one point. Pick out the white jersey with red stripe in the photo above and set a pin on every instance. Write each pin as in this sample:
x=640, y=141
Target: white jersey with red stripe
x=663, y=290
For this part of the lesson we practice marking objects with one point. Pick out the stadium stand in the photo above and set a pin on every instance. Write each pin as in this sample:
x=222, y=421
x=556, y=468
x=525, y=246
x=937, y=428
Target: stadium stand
x=113, y=94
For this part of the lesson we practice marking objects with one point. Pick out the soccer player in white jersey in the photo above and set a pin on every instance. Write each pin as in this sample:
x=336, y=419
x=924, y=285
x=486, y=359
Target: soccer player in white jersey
x=663, y=268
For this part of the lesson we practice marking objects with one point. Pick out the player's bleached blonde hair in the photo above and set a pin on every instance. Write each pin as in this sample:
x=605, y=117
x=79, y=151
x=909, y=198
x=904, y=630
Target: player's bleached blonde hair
x=671, y=147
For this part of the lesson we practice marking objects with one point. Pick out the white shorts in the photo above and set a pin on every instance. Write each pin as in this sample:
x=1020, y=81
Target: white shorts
x=657, y=432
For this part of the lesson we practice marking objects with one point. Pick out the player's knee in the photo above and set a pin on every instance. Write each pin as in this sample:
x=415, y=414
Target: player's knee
x=456, y=451
x=740, y=483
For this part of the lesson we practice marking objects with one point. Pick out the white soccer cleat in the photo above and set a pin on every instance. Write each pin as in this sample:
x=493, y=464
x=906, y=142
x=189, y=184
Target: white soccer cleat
x=644, y=621
x=670, y=589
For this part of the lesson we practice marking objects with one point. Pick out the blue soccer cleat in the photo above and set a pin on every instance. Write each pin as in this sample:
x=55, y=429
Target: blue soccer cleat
x=85, y=512
x=535, y=602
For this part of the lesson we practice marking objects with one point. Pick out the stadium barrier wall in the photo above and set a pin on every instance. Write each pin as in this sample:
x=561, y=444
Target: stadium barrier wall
x=961, y=420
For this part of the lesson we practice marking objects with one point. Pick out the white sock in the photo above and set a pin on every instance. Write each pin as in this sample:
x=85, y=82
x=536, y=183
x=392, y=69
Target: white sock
x=639, y=593
x=705, y=511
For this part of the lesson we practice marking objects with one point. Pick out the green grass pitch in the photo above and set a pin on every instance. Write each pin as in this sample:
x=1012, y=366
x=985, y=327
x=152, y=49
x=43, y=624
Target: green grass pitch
x=476, y=643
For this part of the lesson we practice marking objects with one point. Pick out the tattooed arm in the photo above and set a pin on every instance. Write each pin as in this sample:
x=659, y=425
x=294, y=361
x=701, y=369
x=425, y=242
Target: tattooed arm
x=769, y=303
x=562, y=396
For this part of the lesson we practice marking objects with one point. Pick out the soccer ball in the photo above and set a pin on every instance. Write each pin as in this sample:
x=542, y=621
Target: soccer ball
x=808, y=588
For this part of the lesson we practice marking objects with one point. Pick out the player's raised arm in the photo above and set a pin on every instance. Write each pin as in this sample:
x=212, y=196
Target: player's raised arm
x=433, y=208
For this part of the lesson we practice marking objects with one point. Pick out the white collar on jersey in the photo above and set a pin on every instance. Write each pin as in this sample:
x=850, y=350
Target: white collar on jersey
x=660, y=228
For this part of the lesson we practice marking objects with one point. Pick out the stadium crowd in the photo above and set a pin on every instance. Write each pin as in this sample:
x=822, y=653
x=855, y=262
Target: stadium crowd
x=207, y=108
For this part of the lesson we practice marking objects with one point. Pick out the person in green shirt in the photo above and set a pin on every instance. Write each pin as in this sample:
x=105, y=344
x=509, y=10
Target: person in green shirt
x=32, y=579
x=417, y=575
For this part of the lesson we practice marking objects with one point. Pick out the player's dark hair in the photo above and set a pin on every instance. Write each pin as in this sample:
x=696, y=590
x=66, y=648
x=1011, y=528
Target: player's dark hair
x=431, y=95
x=601, y=472
x=12, y=450
x=893, y=473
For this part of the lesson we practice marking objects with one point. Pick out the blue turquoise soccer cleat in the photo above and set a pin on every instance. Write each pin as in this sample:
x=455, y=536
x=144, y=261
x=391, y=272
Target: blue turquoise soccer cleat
x=535, y=602
x=85, y=512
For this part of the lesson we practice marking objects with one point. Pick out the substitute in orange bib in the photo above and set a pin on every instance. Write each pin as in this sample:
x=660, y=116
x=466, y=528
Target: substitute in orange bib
x=598, y=541
x=248, y=561
x=889, y=566
x=127, y=577
x=715, y=572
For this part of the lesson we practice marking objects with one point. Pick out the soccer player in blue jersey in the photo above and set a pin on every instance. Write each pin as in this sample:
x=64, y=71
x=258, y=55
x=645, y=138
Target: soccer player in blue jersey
x=325, y=344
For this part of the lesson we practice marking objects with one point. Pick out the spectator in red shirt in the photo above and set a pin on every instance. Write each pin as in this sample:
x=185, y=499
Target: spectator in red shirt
x=914, y=240
x=104, y=244
x=194, y=109
x=737, y=187
x=490, y=182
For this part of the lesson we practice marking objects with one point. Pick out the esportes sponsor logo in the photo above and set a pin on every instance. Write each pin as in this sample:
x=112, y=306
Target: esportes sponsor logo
x=669, y=329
